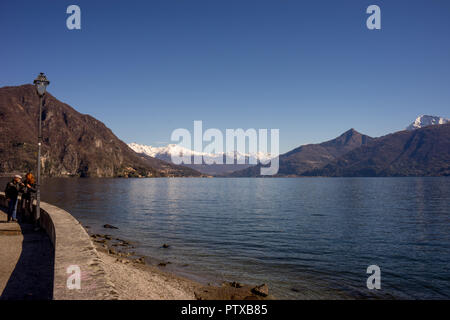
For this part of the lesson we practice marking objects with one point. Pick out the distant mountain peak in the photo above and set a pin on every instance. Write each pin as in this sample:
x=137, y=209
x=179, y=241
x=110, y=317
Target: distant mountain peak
x=350, y=132
x=349, y=138
x=425, y=121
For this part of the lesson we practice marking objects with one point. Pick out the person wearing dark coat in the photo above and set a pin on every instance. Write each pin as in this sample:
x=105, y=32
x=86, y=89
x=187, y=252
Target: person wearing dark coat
x=12, y=191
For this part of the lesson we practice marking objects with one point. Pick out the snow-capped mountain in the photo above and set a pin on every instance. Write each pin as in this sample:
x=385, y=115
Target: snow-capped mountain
x=165, y=153
x=424, y=121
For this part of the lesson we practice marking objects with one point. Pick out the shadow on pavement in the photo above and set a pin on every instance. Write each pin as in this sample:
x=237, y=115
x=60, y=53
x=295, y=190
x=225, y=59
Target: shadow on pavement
x=32, y=278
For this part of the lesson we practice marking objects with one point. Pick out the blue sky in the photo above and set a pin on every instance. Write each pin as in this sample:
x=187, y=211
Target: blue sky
x=310, y=68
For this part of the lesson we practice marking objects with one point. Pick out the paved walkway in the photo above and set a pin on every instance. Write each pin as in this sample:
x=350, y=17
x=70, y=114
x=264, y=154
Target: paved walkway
x=26, y=262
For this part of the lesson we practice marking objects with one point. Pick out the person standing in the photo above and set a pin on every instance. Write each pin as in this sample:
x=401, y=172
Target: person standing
x=28, y=196
x=12, y=191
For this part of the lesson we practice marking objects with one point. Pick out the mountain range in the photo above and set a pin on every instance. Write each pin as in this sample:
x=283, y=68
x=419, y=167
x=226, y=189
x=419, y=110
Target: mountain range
x=423, y=149
x=419, y=150
x=311, y=156
x=165, y=153
x=74, y=144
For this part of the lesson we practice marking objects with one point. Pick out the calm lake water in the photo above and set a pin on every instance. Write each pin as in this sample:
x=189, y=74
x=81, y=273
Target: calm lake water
x=306, y=238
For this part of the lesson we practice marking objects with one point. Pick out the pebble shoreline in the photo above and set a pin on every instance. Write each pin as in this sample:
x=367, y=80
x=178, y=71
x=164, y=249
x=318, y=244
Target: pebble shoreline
x=135, y=279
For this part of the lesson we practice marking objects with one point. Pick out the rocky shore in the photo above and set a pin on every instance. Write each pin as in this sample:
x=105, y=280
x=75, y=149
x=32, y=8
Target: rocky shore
x=137, y=278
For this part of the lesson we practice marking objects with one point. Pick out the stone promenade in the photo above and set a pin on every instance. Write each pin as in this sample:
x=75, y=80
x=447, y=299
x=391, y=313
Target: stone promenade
x=26, y=262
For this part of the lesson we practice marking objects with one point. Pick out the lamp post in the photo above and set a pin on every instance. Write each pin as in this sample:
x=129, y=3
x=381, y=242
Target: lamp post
x=41, y=84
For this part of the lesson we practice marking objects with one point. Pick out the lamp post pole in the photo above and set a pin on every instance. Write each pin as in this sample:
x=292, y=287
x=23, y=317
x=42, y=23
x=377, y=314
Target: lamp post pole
x=41, y=84
x=38, y=189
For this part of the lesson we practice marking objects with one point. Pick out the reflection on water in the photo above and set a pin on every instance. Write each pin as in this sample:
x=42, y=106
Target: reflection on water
x=306, y=238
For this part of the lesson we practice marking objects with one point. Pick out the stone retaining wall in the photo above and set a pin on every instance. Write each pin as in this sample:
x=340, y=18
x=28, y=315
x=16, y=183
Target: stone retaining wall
x=73, y=247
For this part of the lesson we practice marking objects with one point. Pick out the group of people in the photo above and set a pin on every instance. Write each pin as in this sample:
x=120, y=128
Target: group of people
x=26, y=187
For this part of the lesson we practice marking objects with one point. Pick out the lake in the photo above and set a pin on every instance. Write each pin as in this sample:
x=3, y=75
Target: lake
x=306, y=238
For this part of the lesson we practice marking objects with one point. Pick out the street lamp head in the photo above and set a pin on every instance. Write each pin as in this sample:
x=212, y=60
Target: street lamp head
x=41, y=84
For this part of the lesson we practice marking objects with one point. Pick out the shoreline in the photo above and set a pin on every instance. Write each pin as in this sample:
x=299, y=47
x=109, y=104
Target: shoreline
x=134, y=279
